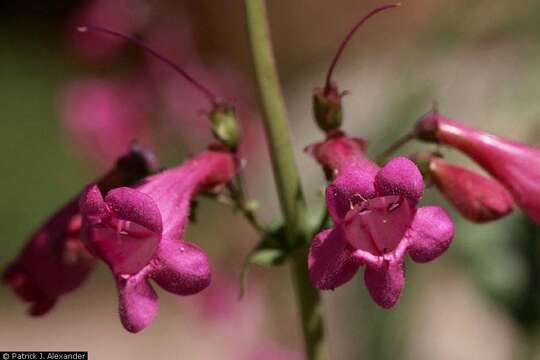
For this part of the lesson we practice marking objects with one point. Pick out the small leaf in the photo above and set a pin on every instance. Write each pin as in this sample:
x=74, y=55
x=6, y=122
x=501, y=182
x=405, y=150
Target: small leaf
x=267, y=257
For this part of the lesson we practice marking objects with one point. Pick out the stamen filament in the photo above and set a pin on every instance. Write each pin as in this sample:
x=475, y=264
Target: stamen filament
x=405, y=139
x=343, y=45
x=207, y=93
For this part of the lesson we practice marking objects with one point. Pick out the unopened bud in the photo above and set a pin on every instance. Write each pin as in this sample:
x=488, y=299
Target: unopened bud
x=327, y=108
x=478, y=198
x=225, y=126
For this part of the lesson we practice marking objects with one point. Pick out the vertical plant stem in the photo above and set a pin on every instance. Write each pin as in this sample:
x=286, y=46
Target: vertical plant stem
x=285, y=172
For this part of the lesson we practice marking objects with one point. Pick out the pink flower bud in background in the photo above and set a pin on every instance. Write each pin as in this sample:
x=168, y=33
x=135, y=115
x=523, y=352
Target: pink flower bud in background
x=377, y=223
x=127, y=16
x=513, y=164
x=478, y=198
x=138, y=232
x=102, y=117
x=55, y=262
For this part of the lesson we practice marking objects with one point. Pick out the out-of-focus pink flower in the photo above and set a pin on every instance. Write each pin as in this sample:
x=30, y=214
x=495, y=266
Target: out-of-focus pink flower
x=476, y=197
x=102, y=117
x=55, y=262
x=377, y=223
x=515, y=165
x=138, y=232
x=127, y=16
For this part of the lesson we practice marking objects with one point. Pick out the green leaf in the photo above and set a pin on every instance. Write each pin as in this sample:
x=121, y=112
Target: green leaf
x=267, y=257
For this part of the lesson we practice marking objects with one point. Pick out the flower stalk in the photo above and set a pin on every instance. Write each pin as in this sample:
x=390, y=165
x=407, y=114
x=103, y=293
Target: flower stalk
x=285, y=172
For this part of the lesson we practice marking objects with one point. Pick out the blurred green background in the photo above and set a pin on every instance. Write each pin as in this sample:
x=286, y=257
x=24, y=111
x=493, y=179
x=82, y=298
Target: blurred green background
x=480, y=60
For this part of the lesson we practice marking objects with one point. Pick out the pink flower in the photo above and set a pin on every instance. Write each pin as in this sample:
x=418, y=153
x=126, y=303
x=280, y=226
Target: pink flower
x=515, y=165
x=125, y=15
x=377, y=222
x=476, y=197
x=102, y=117
x=55, y=262
x=138, y=232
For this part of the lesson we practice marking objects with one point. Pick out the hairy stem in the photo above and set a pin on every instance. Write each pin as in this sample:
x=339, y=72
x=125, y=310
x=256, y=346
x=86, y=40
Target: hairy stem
x=285, y=172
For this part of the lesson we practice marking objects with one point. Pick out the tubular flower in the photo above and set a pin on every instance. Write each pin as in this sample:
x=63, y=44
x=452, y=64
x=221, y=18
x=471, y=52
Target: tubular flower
x=377, y=223
x=476, y=197
x=55, y=262
x=138, y=232
x=513, y=164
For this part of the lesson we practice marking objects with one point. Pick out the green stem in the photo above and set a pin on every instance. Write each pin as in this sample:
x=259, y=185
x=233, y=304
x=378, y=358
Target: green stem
x=398, y=144
x=285, y=172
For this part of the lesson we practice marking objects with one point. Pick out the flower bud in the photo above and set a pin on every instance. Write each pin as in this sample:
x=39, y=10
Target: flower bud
x=327, y=108
x=515, y=165
x=225, y=125
x=476, y=197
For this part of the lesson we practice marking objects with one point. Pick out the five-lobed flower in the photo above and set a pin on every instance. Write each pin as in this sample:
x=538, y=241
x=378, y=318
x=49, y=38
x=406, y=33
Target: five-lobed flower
x=138, y=231
x=377, y=222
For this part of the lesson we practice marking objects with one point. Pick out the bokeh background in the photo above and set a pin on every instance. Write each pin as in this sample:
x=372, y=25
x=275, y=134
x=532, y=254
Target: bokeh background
x=70, y=103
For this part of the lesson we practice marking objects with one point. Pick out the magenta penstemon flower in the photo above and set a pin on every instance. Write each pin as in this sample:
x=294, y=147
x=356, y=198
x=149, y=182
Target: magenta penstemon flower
x=377, y=223
x=55, y=262
x=513, y=164
x=138, y=232
x=374, y=210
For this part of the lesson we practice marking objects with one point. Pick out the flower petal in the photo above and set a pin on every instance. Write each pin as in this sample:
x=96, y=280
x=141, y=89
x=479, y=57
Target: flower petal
x=354, y=179
x=91, y=203
x=138, y=302
x=385, y=282
x=133, y=205
x=431, y=233
x=181, y=267
x=330, y=262
x=400, y=176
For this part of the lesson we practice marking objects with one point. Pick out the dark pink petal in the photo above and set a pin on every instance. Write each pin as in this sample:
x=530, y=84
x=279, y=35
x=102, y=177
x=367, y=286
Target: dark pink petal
x=400, y=176
x=329, y=262
x=53, y=262
x=181, y=267
x=384, y=283
x=354, y=182
x=431, y=233
x=138, y=302
x=132, y=205
x=91, y=203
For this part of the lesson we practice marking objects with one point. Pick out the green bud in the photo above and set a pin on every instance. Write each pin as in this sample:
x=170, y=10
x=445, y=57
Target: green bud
x=327, y=108
x=225, y=125
x=422, y=160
